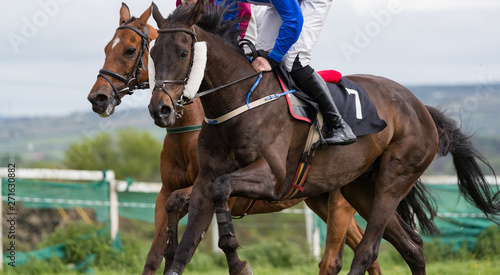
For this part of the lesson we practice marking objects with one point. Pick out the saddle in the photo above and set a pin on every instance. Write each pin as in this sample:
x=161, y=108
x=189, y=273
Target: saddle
x=353, y=103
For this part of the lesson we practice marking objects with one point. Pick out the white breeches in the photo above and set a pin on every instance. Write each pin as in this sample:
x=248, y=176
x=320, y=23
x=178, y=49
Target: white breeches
x=315, y=13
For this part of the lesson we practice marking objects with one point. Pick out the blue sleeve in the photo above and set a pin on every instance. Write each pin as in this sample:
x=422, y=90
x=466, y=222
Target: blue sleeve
x=291, y=26
x=232, y=6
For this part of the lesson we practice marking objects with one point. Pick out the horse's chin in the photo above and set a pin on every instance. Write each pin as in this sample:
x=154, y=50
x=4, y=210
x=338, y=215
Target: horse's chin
x=110, y=109
x=164, y=122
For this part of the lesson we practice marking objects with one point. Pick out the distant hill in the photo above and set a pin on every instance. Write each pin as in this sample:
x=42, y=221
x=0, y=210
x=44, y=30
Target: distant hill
x=42, y=138
x=476, y=107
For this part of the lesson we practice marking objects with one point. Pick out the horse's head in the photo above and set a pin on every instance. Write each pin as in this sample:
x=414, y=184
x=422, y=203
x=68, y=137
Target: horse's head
x=126, y=61
x=174, y=58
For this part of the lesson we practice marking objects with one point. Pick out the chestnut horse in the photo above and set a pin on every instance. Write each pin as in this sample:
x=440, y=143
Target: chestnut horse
x=254, y=154
x=127, y=55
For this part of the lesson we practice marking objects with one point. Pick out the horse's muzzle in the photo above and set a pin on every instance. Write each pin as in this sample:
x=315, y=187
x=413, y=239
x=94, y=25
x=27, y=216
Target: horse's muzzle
x=162, y=114
x=102, y=104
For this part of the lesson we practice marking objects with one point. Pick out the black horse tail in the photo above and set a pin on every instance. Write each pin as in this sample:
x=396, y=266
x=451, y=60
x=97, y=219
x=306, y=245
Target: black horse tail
x=471, y=180
x=419, y=205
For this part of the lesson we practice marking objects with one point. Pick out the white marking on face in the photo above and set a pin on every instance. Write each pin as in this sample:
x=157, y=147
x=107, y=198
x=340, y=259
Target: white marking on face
x=115, y=42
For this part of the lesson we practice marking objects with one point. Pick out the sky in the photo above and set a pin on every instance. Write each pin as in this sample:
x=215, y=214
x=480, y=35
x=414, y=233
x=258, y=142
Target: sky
x=52, y=50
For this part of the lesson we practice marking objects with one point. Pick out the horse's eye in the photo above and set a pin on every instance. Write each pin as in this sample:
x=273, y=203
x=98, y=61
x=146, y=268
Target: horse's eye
x=130, y=51
x=184, y=54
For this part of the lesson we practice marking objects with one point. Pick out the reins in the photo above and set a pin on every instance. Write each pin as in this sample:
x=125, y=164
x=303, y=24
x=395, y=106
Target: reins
x=132, y=80
x=200, y=94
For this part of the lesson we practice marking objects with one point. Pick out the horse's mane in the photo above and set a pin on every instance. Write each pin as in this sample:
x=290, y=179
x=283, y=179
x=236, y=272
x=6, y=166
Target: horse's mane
x=211, y=21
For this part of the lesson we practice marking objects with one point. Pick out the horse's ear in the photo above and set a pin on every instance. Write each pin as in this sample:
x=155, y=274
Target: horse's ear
x=157, y=15
x=143, y=19
x=196, y=13
x=124, y=14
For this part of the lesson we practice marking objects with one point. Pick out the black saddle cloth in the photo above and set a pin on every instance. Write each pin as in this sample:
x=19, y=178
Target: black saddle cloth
x=353, y=103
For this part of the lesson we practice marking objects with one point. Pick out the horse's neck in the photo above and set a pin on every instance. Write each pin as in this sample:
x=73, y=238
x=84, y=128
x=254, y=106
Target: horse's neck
x=225, y=64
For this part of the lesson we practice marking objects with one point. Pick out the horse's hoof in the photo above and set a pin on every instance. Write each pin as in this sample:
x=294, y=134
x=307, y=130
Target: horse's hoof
x=247, y=270
x=173, y=272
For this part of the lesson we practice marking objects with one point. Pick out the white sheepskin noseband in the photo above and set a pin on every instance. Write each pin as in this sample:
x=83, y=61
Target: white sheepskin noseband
x=197, y=70
x=151, y=68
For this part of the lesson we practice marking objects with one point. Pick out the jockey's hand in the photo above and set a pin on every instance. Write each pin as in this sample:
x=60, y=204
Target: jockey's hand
x=260, y=64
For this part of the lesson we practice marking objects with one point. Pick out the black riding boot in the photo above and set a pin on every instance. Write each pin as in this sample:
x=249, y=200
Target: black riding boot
x=340, y=133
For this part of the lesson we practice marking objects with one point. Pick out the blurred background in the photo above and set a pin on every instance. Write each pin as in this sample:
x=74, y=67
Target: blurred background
x=443, y=51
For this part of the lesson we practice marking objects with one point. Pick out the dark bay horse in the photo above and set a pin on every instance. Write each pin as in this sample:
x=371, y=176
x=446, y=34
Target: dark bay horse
x=124, y=70
x=254, y=154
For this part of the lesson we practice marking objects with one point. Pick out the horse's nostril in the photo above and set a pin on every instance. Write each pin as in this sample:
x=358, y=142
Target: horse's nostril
x=165, y=110
x=101, y=98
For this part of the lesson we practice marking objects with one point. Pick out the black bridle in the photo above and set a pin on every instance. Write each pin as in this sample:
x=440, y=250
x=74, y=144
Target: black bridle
x=132, y=80
x=160, y=84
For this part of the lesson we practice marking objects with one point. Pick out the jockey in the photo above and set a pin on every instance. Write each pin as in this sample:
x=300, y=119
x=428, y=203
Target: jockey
x=288, y=32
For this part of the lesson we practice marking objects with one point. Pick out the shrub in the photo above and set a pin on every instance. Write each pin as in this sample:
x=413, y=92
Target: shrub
x=70, y=232
x=276, y=254
x=34, y=266
x=437, y=251
x=488, y=243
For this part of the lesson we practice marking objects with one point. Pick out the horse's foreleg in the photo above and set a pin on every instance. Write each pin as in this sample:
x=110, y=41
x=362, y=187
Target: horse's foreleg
x=176, y=208
x=339, y=212
x=353, y=238
x=342, y=226
x=329, y=208
x=201, y=211
x=255, y=179
x=155, y=255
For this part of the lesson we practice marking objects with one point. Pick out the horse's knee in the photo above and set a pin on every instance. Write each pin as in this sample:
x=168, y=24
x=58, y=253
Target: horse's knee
x=177, y=201
x=221, y=189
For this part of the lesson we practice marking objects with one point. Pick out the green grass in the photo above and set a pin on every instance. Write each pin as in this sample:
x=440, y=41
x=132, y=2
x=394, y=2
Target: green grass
x=465, y=267
x=266, y=255
x=206, y=264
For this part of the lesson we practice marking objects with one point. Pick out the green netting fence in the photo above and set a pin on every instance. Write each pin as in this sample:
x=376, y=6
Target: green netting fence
x=459, y=222
x=53, y=195
x=35, y=196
